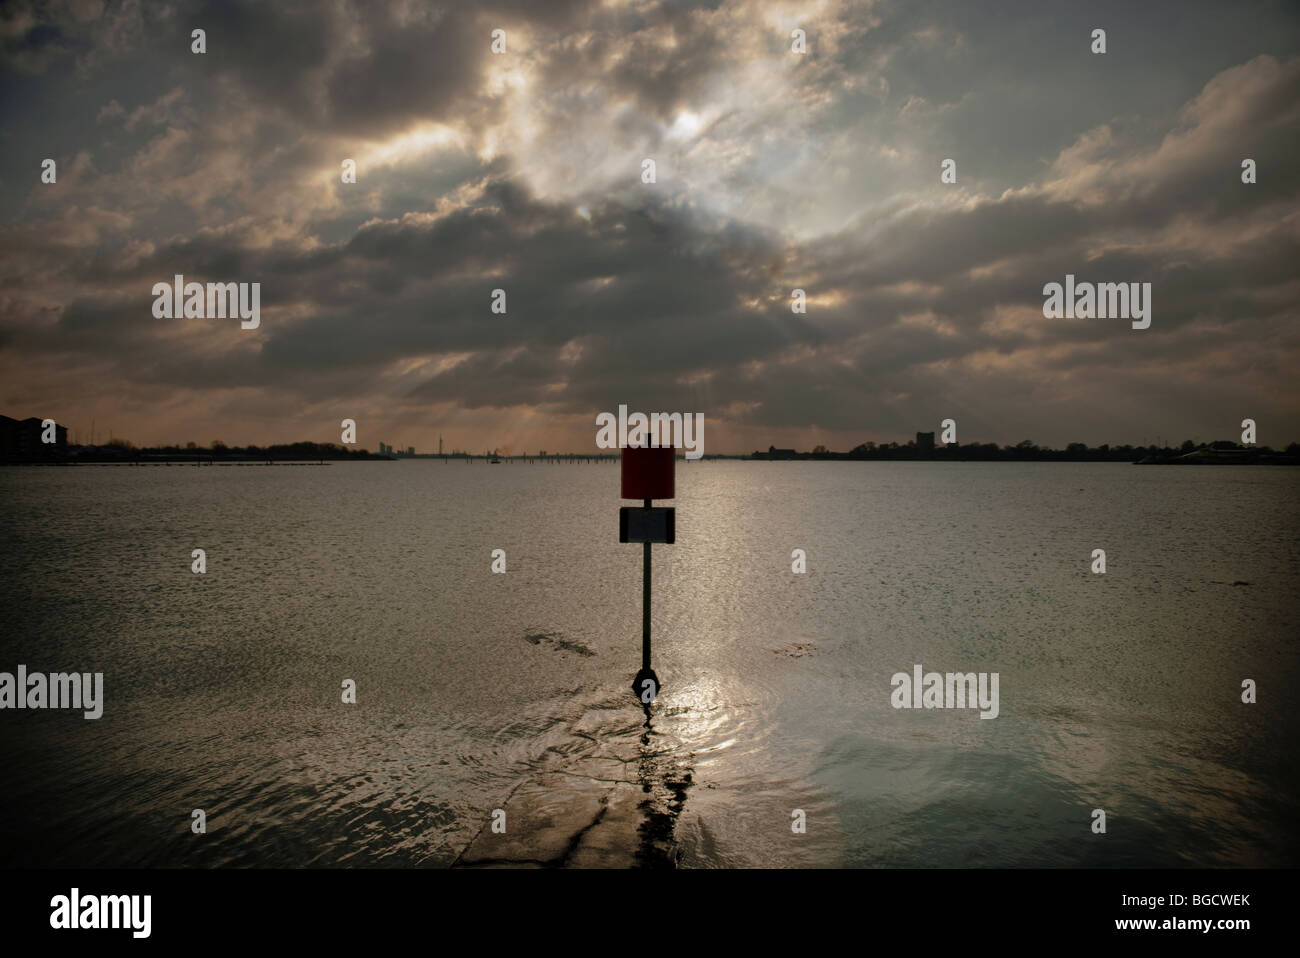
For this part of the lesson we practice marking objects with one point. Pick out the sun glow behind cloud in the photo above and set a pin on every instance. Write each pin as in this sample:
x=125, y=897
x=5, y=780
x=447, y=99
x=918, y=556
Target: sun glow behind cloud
x=409, y=146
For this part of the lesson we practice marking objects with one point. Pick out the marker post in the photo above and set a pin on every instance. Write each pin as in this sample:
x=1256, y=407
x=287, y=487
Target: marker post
x=647, y=474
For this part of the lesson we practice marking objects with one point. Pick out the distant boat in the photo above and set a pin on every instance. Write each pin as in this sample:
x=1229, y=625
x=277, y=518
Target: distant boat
x=494, y=461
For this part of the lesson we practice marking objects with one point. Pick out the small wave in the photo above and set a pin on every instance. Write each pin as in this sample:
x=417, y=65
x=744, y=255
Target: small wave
x=556, y=640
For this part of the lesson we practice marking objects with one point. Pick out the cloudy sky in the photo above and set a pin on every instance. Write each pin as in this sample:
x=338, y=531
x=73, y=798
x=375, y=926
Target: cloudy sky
x=774, y=171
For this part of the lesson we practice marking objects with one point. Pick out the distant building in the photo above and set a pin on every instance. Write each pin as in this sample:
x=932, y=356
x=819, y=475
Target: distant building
x=410, y=450
x=925, y=444
x=20, y=440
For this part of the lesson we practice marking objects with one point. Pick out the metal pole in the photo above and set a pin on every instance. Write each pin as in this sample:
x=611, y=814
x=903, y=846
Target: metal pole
x=645, y=606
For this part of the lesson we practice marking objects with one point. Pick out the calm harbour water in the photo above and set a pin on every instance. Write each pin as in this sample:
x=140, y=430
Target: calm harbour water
x=1118, y=691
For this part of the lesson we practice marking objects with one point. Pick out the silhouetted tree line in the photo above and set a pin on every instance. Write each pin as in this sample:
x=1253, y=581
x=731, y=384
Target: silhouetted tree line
x=124, y=450
x=1027, y=450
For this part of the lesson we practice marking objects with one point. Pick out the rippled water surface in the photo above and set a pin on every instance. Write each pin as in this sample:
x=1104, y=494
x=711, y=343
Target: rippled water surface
x=1119, y=691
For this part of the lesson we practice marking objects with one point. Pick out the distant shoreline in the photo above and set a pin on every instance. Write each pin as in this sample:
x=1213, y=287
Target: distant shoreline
x=1249, y=459
x=179, y=462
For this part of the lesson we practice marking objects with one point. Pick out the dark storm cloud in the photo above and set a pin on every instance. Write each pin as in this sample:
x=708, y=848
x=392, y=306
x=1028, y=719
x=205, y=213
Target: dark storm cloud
x=366, y=68
x=521, y=173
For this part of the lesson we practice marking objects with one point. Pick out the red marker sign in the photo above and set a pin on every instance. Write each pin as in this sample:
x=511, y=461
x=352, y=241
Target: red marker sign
x=648, y=473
